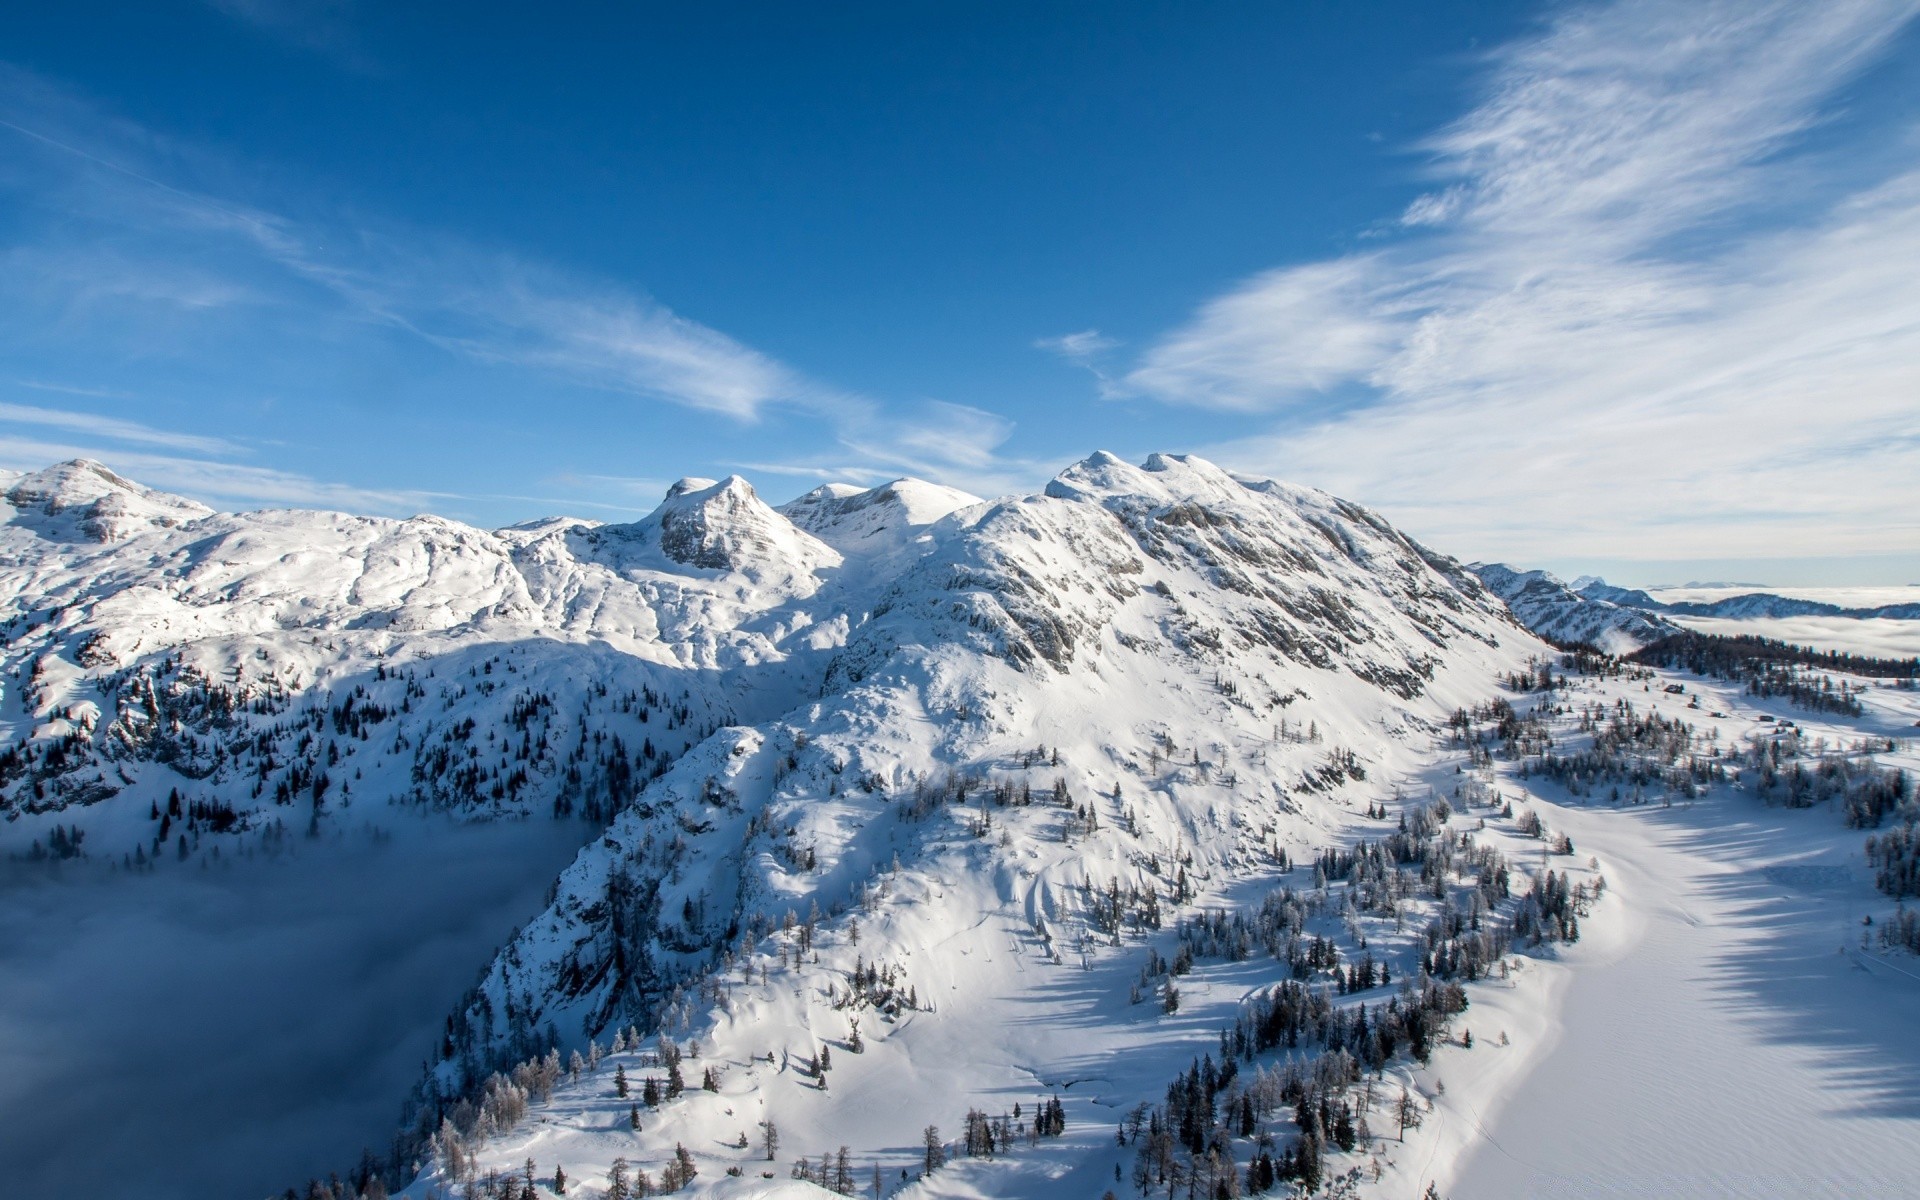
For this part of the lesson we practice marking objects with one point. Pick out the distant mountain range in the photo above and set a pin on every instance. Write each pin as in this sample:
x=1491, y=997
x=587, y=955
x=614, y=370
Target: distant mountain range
x=1592, y=610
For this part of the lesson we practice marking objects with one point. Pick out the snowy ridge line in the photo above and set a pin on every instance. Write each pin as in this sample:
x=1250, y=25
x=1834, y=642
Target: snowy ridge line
x=826, y=748
x=1600, y=618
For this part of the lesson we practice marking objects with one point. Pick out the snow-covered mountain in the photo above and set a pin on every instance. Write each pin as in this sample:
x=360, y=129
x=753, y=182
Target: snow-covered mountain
x=1072, y=644
x=1595, y=588
x=1744, y=606
x=1558, y=612
x=882, y=755
x=1768, y=606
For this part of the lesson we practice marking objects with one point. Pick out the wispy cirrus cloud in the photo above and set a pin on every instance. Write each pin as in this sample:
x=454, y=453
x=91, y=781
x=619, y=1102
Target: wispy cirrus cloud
x=202, y=249
x=174, y=245
x=1283, y=336
x=954, y=444
x=112, y=428
x=1080, y=348
x=1604, y=330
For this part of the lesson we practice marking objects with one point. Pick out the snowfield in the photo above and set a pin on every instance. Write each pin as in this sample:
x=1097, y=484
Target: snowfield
x=1730, y=1036
x=1041, y=846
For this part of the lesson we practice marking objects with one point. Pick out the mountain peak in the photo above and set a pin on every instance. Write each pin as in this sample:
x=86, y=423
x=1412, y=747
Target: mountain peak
x=85, y=500
x=724, y=525
x=688, y=484
x=866, y=522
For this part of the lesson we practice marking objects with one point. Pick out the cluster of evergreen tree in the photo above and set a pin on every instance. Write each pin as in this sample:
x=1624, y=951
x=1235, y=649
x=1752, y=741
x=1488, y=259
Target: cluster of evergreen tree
x=1551, y=910
x=1864, y=792
x=1276, y=926
x=1738, y=658
x=929, y=795
x=1895, y=856
x=364, y=1183
x=881, y=987
x=1631, y=749
x=1114, y=909
x=46, y=767
x=61, y=843
x=1583, y=659
x=1815, y=695
x=678, y=1172
x=1775, y=668
x=1192, y=1142
x=1901, y=931
x=989, y=1136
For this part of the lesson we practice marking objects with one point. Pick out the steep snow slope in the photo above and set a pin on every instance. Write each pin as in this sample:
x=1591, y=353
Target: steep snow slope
x=181, y=690
x=1553, y=610
x=1125, y=611
x=1075, y=712
x=895, y=755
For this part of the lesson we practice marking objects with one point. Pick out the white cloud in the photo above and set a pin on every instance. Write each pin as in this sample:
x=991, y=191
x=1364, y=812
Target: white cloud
x=1605, y=331
x=112, y=428
x=953, y=444
x=621, y=342
x=191, y=249
x=1282, y=337
x=71, y=389
x=1078, y=348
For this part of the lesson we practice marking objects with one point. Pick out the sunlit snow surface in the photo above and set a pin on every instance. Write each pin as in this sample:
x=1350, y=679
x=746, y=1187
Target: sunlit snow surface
x=1184, y=652
x=1717, y=1031
x=1722, y=1034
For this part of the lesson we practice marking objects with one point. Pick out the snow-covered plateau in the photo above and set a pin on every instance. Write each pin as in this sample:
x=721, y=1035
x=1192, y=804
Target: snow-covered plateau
x=1168, y=832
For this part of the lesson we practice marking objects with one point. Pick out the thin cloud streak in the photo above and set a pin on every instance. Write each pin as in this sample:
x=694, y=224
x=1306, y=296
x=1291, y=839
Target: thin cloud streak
x=952, y=444
x=196, y=252
x=114, y=428
x=1602, y=317
x=487, y=306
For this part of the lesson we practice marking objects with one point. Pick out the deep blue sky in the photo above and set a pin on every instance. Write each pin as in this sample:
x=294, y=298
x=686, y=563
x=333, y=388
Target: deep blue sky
x=499, y=260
